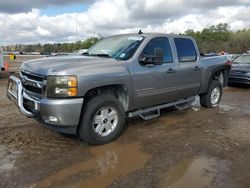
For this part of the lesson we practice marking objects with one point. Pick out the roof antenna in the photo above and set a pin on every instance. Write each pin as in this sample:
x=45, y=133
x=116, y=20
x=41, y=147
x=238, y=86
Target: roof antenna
x=140, y=32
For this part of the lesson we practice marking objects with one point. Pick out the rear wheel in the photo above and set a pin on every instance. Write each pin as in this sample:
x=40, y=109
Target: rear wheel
x=213, y=96
x=102, y=121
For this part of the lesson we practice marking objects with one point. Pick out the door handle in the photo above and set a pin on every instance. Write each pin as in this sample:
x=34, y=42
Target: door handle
x=196, y=68
x=170, y=71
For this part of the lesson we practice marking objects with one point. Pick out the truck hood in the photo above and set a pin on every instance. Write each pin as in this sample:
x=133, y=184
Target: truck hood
x=67, y=65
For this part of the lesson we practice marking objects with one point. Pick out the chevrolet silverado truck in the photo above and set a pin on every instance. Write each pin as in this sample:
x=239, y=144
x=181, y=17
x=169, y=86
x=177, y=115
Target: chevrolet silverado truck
x=120, y=76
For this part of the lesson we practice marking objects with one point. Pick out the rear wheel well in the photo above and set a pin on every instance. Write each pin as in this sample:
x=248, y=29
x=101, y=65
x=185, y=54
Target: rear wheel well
x=221, y=75
x=213, y=96
x=119, y=91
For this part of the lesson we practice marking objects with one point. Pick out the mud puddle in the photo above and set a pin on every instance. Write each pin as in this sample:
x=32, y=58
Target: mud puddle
x=108, y=163
x=7, y=159
x=194, y=173
x=227, y=108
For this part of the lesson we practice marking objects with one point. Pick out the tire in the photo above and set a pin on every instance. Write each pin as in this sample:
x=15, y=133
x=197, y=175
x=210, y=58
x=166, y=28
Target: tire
x=221, y=79
x=102, y=120
x=212, y=98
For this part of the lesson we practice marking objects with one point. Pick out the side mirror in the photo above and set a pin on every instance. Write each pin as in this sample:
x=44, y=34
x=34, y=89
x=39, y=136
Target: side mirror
x=156, y=59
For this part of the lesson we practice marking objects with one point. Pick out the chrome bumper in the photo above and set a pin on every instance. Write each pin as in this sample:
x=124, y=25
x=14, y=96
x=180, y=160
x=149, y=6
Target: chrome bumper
x=15, y=93
x=67, y=112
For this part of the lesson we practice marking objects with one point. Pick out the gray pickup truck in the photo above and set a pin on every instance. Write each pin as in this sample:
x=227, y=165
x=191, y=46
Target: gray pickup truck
x=120, y=76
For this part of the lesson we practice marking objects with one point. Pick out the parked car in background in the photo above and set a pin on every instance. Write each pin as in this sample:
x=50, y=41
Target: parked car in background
x=240, y=72
x=48, y=54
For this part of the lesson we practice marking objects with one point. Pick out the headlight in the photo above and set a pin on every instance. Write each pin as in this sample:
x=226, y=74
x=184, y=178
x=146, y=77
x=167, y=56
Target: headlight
x=61, y=86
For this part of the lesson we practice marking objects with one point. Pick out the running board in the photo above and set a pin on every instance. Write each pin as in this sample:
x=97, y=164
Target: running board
x=156, y=109
x=150, y=116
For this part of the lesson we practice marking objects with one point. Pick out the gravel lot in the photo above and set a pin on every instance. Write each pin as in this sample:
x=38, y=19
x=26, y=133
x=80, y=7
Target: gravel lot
x=188, y=148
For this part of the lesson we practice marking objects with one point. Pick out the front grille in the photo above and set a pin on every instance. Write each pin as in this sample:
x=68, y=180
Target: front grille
x=32, y=76
x=33, y=89
x=32, y=84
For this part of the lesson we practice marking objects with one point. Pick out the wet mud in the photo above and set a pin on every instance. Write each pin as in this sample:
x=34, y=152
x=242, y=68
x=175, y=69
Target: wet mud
x=194, y=173
x=108, y=162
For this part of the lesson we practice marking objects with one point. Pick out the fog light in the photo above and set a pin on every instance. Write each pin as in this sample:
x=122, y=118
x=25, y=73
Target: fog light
x=53, y=119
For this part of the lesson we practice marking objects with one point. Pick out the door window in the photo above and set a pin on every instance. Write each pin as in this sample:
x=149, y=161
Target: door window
x=185, y=50
x=160, y=42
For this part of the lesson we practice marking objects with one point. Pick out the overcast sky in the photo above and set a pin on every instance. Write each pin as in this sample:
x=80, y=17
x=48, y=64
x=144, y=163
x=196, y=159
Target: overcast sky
x=42, y=21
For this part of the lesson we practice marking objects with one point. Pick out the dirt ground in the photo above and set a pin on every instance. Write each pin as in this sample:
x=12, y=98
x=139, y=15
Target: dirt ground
x=190, y=148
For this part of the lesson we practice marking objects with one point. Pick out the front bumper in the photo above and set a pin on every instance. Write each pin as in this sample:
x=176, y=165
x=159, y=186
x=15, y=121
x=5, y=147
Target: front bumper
x=62, y=115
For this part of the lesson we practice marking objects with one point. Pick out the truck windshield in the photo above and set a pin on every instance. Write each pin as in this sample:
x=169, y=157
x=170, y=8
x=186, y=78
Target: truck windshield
x=120, y=47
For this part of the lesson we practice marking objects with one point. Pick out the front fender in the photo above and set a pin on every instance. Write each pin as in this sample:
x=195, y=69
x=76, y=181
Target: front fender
x=106, y=77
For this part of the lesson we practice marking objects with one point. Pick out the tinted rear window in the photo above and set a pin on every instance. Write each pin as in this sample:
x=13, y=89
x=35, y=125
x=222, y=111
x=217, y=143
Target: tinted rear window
x=185, y=50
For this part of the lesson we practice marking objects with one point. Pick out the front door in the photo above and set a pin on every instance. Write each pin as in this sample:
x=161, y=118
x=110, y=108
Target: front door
x=155, y=84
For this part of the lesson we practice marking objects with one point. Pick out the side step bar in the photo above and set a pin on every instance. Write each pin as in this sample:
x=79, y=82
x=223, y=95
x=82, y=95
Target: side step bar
x=153, y=112
x=148, y=116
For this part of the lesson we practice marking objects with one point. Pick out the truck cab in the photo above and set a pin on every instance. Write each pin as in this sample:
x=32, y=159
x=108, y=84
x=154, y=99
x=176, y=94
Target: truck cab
x=177, y=75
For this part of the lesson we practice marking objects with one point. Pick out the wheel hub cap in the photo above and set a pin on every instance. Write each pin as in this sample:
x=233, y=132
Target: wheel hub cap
x=105, y=121
x=215, y=95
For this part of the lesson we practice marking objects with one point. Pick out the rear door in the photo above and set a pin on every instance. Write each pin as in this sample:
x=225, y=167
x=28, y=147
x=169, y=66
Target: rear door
x=188, y=72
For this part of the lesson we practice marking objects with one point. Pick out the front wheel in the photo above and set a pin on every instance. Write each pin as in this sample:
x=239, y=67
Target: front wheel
x=102, y=120
x=213, y=96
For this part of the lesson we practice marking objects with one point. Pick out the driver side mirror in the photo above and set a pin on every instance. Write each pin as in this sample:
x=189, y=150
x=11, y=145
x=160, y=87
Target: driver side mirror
x=156, y=59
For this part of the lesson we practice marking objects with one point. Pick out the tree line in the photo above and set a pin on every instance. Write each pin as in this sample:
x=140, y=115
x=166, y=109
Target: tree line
x=214, y=39
x=52, y=48
x=220, y=38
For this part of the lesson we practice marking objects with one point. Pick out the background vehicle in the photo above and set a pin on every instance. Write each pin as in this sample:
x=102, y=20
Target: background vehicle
x=120, y=76
x=78, y=52
x=240, y=72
